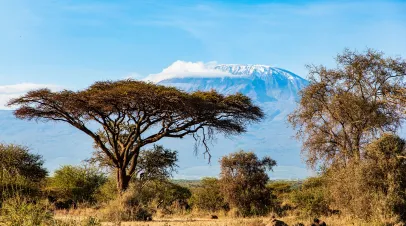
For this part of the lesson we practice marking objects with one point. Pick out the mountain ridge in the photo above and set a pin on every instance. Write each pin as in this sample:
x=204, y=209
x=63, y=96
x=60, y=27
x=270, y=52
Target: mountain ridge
x=260, y=82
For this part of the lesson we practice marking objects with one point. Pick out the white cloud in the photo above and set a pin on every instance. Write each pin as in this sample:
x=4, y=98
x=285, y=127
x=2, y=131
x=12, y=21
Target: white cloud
x=180, y=69
x=8, y=92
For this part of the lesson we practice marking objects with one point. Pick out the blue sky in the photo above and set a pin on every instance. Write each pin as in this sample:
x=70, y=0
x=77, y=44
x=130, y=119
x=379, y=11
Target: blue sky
x=73, y=43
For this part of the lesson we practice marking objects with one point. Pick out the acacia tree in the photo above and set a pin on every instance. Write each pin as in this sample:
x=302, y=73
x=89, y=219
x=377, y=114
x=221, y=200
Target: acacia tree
x=343, y=109
x=132, y=114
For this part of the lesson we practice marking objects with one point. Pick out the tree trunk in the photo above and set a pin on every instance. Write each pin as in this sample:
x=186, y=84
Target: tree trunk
x=123, y=180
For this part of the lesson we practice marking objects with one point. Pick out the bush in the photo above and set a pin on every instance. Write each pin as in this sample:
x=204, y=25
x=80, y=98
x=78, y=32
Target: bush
x=243, y=181
x=20, y=211
x=168, y=196
x=126, y=207
x=76, y=183
x=310, y=199
x=280, y=195
x=374, y=188
x=88, y=221
x=154, y=194
x=208, y=197
x=20, y=171
x=108, y=191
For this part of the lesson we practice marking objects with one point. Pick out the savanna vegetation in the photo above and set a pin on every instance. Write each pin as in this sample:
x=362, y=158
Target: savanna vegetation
x=348, y=119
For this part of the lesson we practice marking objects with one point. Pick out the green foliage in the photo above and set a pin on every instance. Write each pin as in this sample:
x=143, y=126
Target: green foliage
x=243, y=182
x=207, y=196
x=169, y=196
x=20, y=211
x=108, y=191
x=162, y=194
x=16, y=160
x=156, y=163
x=280, y=195
x=76, y=183
x=20, y=171
x=311, y=199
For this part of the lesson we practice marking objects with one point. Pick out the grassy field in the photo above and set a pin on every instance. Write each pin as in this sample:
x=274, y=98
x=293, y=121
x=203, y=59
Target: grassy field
x=228, y=221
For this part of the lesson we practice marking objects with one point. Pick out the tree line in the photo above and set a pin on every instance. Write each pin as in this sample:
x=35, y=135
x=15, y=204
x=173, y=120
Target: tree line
x=241, y=187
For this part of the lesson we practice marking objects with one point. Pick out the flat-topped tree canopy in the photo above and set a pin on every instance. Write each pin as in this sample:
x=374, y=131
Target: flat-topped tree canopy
x=133, y=114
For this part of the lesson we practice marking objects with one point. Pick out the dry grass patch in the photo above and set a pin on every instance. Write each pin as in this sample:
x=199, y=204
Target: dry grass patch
x=227, y=221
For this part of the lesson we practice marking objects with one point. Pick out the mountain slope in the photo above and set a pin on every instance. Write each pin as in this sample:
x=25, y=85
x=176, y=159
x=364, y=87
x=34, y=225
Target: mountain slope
x=275, y=90
x=262, y=83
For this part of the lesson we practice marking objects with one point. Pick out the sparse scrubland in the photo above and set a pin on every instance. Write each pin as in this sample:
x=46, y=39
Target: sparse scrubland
x=347, y=119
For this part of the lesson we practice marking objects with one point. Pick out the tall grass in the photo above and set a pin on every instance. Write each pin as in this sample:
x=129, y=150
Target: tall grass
x=21, y=211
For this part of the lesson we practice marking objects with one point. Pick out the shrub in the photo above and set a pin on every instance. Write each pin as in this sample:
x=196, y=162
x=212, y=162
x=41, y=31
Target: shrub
x=108, y=191
x=88, y=221
x=243, y=181
x=310, y=199
x=126, y=207
x=280, y=195
x=20, y=211
x=91, y=221
x=156, y=194
x=208, y=197
x=20, y=171
x=168, y=196
x=76, y=183
x=374, y=188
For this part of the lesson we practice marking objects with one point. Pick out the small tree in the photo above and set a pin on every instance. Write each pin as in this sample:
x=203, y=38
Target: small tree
x=77, y=183
x=208, y=196
x=344, y=109
x=243, y=180
x=19, y=169
x=133, y=114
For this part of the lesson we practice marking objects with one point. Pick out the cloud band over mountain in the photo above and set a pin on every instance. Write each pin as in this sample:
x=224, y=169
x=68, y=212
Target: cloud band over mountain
x=181, y=69
x=8, y=92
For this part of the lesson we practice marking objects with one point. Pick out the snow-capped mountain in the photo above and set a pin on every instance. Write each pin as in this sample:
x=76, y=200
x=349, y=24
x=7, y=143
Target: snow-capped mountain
x=262, y=83
x=274, y=89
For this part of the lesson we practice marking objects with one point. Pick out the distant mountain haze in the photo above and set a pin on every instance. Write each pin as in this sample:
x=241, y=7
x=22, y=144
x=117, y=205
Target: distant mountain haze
x=273, y=89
